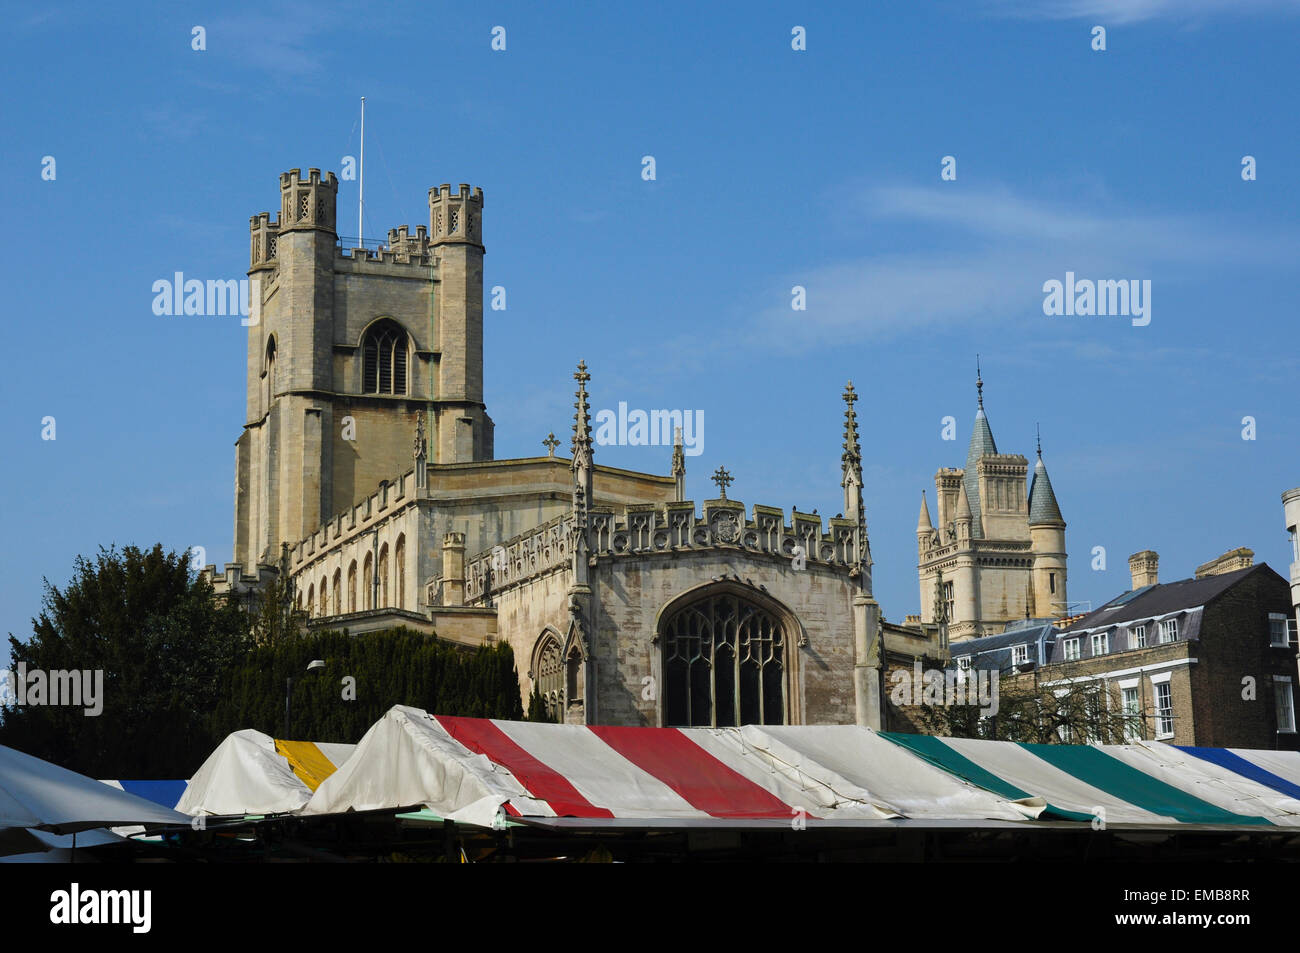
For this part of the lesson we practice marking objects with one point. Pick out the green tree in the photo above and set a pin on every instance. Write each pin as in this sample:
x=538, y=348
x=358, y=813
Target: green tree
x=161, y=639
x=364, y=676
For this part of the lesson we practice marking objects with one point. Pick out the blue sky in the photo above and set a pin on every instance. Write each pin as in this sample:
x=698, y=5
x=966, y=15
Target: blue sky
x=775, y=168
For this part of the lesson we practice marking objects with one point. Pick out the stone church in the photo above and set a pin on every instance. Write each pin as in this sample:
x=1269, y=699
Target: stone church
x=998, y=554
x=366, y=472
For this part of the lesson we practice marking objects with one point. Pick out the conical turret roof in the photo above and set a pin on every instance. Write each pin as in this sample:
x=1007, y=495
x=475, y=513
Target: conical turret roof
x=963, y=505
x=981, y=445
x=1042, y=501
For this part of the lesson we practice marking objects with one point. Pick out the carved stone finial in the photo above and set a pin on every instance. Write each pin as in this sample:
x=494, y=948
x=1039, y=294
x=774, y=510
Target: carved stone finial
x=723, y=479
x=551, y=443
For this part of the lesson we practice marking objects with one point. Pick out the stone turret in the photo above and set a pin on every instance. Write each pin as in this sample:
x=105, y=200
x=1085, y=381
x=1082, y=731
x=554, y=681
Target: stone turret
x=456, y=237
x=1047, y=540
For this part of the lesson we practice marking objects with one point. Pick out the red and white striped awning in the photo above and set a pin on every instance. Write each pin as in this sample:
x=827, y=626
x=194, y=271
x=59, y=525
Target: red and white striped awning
x=470, y=770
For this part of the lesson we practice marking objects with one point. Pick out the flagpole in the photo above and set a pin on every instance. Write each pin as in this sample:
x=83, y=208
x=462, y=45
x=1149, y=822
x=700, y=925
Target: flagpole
x=361, y=176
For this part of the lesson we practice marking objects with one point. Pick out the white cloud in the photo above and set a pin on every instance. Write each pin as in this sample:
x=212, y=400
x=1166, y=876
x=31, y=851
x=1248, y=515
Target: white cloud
x=1136, y=11
x=985, y=255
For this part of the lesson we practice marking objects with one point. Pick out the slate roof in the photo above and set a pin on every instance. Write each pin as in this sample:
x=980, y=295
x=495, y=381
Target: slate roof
x=1161, y=599
x=1042, y=501
x=994, y=651
x=981, y=445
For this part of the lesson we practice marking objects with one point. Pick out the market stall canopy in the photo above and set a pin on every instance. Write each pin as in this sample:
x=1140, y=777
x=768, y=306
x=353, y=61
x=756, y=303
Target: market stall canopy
x=1144, y=785
x=475, y=770
x=43, y=796
x=253, y=773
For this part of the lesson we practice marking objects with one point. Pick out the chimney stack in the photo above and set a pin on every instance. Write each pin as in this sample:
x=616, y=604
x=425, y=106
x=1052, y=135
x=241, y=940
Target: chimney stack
x=1144, y=568
x=1231, y=561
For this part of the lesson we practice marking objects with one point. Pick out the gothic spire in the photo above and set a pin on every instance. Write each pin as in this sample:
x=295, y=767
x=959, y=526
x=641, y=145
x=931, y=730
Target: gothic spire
x=581, y=416
x=981, y=445
x=679, y=466
x=852, y=456
x=851, y=481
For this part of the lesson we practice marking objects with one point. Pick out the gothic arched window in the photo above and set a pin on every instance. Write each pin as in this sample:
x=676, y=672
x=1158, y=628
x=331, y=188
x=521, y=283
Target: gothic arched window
x=311, y=599
x=383, y=576
x=724, y=664
x=383, y=359
x=324, y=597
x=550, y=677
x=338, y=591
x=352, y=587
x=368, y=582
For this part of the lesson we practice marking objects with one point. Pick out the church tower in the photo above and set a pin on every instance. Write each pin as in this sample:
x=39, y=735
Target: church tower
x=998, y=553
x=345, y=349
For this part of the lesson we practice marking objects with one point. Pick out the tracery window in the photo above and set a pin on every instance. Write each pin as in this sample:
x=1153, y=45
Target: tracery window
x=550, y=678
x=352, y=587
x=383, y=356
x=368, y=581
x=383, y=576
x=724, y=664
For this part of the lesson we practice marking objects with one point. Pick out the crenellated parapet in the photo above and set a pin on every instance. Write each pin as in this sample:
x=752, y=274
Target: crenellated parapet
x=675, y=527
x=403, y=248
x=264, y=238
x=360, y=518
x=456, y=216
x=232, y=578
x=309, y=203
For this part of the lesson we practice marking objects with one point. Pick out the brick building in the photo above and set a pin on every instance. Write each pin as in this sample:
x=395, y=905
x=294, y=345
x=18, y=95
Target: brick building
x=1202, y=661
